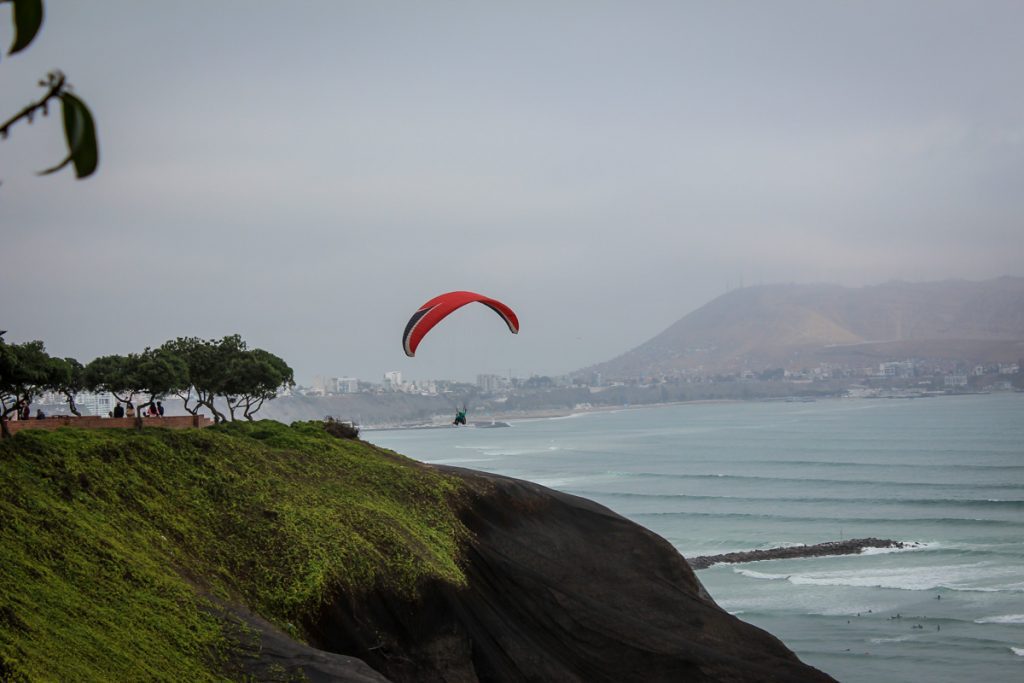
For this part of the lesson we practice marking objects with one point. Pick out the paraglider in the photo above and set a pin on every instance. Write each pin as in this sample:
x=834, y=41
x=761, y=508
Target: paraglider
x=460, y=416
x=438, y=308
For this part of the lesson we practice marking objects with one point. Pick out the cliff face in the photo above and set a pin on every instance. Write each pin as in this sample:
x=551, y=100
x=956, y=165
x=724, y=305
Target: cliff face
x=558, y=589
x=261, y=551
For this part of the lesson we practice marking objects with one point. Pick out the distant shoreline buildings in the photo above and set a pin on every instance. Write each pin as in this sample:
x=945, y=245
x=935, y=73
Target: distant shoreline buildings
x=926, y=375
x=893, y=378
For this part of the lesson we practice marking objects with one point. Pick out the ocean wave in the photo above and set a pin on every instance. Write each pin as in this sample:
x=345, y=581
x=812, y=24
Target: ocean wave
x=495, y=453
x=896, y=639
x=751, y=574
x=975, y=577
x=1002, y=619
x=908, y=546
x=457, y=461
x=805, y=480
x=1019, y=651
x=832, y=500
x=970, y=521
x=874, y=465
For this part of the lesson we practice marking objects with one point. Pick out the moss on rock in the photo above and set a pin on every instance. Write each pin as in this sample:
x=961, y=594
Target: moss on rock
x=114, y=544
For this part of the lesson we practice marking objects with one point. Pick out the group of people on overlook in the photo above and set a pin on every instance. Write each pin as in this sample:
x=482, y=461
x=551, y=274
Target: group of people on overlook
x=153, y=409
x=24, y=412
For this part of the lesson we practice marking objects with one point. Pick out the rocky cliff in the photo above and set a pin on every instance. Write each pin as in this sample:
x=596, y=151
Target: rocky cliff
x=282, y=553
x=558, y=589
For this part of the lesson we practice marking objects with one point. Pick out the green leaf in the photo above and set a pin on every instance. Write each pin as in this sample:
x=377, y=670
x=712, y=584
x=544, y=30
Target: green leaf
x=84, y=150
x=80, y=132
x=28, y=17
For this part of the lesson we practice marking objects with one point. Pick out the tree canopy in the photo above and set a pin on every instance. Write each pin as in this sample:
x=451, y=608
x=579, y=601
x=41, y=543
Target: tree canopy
x=228, y=370
x=222, y=375
x=25, y=371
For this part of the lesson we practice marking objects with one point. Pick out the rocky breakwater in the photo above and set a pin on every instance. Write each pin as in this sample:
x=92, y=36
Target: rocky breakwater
x=558, y=588
x=850, y=547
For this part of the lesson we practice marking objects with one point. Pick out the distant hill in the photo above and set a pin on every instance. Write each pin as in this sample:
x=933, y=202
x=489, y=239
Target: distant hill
x=795, y=326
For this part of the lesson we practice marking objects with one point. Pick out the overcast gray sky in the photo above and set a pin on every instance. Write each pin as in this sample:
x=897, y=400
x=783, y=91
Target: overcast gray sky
x=308, y=173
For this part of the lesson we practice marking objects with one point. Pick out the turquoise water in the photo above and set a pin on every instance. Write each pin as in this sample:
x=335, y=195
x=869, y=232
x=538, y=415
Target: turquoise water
x=946, y=473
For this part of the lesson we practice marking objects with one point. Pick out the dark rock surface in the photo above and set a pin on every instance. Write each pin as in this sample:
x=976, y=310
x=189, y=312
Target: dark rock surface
x=851, y=547
x=559, y=589
x=266, y=653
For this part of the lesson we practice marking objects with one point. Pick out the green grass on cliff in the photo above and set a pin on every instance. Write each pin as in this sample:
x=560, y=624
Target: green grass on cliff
x=112, y=542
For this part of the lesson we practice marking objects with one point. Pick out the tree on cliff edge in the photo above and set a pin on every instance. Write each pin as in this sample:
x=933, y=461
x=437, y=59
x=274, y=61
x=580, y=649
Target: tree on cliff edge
x=26, y=371
x=256, y=376
x=228, y=370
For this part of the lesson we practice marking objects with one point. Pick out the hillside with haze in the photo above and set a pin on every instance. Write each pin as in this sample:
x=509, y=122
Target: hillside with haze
x=798, y=326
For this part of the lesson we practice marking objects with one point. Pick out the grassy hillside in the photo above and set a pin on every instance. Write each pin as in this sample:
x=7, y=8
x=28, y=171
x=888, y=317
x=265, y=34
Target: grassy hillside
x=115, y=544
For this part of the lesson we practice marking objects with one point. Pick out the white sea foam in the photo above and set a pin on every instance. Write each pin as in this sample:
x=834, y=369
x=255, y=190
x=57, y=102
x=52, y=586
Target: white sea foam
x=908, y=546
x=1019, y=651
x=897, y=639
x=977, y=576
x=457, y=461
x=750, y=574
x=1002, y=619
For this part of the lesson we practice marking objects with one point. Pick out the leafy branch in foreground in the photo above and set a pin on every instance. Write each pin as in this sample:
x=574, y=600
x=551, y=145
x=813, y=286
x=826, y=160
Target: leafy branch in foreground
x=79, y=129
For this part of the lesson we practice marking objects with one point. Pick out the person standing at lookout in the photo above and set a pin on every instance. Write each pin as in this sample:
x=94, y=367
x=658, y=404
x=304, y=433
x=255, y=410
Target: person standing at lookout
x=129, y=410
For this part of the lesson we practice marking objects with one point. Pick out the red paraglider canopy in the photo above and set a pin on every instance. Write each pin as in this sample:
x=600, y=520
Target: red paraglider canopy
x=438, y=308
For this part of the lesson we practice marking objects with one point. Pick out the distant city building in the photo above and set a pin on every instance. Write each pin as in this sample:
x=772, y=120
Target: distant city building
x=393, y=380
x=900, y=368
x=319, y=387
x=95, y=404
x=491, y=383
x=342, y=385
x=955, y=380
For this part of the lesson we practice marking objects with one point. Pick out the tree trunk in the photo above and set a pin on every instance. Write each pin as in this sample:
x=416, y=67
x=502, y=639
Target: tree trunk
x=71, y=404
x=231, y=407
x=185, y=397
x=218, y=417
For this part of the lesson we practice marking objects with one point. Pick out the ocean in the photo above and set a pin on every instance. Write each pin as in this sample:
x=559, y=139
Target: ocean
x=944, y=473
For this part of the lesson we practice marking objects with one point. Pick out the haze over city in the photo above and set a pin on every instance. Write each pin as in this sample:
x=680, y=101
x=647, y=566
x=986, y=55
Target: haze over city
x=307, y=175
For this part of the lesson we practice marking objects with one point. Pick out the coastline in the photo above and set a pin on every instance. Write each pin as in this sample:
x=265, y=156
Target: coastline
x=541, y=414
x=442, y=421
